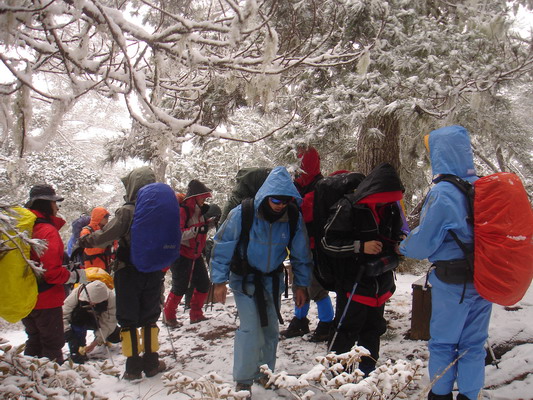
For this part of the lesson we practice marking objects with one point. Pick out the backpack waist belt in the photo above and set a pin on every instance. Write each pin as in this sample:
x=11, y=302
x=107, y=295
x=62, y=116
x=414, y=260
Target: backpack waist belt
x=454, y=271
x=259, y=293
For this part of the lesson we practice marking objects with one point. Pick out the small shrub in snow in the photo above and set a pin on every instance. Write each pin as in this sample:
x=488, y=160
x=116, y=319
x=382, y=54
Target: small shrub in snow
x=334, y=375
x=41, y=379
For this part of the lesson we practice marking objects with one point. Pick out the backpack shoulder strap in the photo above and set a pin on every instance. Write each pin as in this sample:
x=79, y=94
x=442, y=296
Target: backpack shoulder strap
x=465, y=187
x=40, y=220
x=294, y=215
x=187, y=212
x=468, y=190
x=247, y=219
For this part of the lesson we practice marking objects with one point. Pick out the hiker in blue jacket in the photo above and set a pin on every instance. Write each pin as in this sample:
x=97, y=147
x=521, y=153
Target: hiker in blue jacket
x=459, y=315
x=256, y=344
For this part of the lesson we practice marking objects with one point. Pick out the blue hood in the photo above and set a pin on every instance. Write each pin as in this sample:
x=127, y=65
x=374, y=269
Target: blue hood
x=450, y=152
x=277, y=183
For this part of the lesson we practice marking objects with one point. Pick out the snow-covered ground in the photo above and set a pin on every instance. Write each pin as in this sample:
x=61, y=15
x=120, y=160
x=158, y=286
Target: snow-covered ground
x=196, y=350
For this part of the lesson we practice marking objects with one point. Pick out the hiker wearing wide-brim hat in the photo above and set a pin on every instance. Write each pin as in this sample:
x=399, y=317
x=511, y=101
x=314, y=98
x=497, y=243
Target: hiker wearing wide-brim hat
x=42, y=192
x=189, y=271
x=44, y=325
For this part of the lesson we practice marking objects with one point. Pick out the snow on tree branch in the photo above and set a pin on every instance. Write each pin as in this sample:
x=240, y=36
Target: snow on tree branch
x=161, y=61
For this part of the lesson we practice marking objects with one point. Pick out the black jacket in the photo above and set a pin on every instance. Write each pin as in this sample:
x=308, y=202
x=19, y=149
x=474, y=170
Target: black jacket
x=351, y=223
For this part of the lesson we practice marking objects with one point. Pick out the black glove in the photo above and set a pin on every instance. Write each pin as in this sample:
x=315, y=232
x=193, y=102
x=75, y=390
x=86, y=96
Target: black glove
x=77, y=252
x=82, y=242
x=203, y=229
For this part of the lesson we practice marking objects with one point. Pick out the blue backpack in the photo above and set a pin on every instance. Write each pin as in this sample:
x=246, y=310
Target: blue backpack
x=77, y=226
x=155, y=230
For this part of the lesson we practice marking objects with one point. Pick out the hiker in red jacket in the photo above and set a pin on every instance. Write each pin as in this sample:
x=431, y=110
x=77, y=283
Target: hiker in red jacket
x=44, y=325
x=190, y=270
x=299, y=325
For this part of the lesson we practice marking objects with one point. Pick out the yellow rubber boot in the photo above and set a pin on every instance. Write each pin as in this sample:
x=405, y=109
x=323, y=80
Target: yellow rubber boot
x=131, y=347
x=131, y=342
x=150, y=340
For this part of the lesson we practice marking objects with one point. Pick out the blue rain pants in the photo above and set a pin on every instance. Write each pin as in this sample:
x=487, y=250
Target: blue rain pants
x=458, y=332
x=254, y=345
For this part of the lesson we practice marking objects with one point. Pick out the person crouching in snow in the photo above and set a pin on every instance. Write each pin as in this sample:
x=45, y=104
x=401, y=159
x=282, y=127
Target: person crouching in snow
x=89, y=307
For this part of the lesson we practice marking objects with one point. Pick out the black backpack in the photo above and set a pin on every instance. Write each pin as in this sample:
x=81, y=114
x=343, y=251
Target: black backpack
x=327, y=192
x=248, y=182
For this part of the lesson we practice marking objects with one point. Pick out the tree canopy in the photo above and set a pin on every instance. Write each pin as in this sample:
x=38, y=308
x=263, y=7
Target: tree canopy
x=361, y=80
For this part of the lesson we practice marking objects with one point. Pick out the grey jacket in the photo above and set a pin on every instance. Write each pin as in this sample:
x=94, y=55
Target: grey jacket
x=119, y=227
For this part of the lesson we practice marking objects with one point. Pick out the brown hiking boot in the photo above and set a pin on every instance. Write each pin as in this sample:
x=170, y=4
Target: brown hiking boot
x=133, y=368
x=171, y=323
x=132, y=376
x=153, y=372
x=200, y=319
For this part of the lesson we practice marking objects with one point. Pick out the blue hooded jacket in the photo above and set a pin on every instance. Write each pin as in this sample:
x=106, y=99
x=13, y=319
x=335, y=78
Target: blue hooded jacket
x=267, y=248
x=446, y=206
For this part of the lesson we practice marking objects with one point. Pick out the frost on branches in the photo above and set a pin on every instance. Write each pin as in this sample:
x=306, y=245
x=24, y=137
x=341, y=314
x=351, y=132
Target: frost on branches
x=179, y=69
x=335, y=375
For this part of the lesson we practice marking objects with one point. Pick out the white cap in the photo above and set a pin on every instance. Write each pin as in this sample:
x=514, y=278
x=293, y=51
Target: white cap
x=98, y=292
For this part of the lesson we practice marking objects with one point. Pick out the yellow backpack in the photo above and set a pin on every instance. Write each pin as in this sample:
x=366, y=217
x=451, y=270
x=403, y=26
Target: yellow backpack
x=18, y=285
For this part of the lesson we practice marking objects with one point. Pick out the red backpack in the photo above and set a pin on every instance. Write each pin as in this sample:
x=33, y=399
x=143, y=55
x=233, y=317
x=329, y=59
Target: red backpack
x=503, y=231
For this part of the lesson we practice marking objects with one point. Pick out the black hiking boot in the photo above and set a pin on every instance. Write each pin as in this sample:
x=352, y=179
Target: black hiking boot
x=297, y=327
x=244, y=386
x=461, y=397
x=323, y=332
x=79, y=358
x=433, y=396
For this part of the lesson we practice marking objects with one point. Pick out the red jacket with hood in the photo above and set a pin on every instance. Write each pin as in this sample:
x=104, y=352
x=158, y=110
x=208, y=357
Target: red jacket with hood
x=191, y=219
x=305, y=183
x=51, y=261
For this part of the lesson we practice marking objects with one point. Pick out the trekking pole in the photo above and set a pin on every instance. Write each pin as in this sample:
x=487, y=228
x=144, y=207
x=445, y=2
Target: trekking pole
x=358, y=277
x=98, y=326
x=491, y=352
x=337, y=328
x=170, y=336
x=172, y=343
x=210, y=298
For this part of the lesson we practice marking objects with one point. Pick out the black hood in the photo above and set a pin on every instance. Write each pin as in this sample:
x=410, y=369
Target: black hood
x=196, y=188
x=383, y=178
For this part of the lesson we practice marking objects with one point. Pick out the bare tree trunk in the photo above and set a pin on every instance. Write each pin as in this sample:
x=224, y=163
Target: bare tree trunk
x=379, y=142
x=160, y=166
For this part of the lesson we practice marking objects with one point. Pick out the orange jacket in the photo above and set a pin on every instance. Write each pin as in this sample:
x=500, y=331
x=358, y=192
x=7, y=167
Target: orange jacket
x=97, y=257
